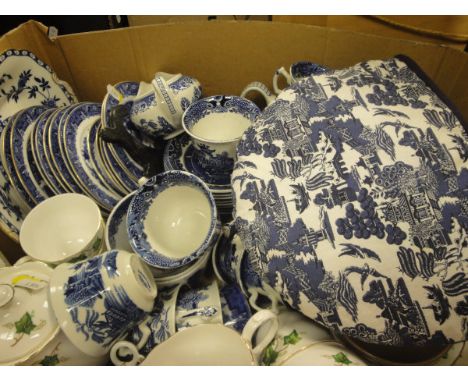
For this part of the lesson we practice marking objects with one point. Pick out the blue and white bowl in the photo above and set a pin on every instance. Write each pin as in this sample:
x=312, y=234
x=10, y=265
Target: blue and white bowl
x=172, y=220
x=216, y=125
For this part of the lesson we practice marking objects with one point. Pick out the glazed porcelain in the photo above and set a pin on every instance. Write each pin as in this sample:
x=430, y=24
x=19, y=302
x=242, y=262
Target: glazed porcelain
x=216, y=125
x=181, y=277
x=172, y=220
x=324, y=353
x=198, y=305
x=342, y=205
x=61, y=352
x=158, y=106
x=3, y=261
x=295, y=333
x=28, y=81
x=115, y=234
x=98, y=300
x=235, y=307
x=73, y=145
x=297, y=72
x=63, y=228
x=155, y=329
x=27, y=322
x=214, y=345
x=260, y=88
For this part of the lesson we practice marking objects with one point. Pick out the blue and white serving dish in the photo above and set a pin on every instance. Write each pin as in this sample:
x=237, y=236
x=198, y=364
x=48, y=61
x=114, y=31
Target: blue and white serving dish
x=351, y=196
x=28, y=81
x=172, y=220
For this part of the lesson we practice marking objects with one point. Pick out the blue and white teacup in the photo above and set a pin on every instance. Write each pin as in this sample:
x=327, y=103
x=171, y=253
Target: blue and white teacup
x=297, y=71
x=98, y=300
x=157, y=108
x=216, y=125
x=172, y=220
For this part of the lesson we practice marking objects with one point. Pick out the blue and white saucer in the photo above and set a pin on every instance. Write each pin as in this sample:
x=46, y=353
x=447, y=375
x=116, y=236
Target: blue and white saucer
x=179, y=154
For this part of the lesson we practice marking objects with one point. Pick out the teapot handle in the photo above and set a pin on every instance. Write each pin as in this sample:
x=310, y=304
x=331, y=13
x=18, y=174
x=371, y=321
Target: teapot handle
x=280, y=72
x=259, y=319
x=260, y=88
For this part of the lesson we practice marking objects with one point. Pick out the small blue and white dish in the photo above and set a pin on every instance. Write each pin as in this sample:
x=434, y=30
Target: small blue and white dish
x=235, y=307
x=198, y=305
x=172, y=220
x=115, y=234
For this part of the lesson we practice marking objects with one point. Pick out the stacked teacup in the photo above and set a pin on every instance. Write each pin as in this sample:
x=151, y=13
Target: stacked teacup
x=213, y=127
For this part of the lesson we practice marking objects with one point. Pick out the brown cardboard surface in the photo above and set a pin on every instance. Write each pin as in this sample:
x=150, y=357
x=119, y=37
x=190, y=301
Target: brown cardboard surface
x=223, y=55
x=414, y=26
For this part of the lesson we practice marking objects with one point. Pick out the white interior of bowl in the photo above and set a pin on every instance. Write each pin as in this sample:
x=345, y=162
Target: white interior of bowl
x=178, y=221
x=203, y=345
x=221, y=126
x=60, y=227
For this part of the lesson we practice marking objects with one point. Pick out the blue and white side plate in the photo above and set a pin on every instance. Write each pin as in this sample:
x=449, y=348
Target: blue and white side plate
x=75, y=133
x=26, y=81
x=21, y=154
x=351, y=193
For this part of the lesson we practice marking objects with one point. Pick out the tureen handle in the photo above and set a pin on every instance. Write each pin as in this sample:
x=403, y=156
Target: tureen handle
x=261, y=88
x=280, y=72
x=262, y=317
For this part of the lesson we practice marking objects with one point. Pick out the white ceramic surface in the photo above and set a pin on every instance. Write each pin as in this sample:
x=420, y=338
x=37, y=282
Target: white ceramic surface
x=213, y=345
x=115, y=234
x=27, y=322
x=326, y=353
x=62, y=228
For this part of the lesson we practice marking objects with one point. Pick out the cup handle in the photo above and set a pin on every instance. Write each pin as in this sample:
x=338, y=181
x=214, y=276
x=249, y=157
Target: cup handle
x=130, y=349
x=255, y=322
x=268, y=292
x=261, y=88
x=280, y=72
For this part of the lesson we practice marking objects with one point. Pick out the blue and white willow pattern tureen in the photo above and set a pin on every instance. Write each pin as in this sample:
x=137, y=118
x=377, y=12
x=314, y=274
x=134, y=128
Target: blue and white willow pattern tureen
x=352, y=191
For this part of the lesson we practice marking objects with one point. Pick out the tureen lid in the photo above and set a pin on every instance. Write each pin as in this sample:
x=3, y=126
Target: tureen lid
x=27, y=322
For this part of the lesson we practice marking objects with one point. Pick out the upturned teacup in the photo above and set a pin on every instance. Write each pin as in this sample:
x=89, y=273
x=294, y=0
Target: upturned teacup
x=98, y=300
x=297, y=71
x=157, y=108
x=64, y=228
x=216, y=125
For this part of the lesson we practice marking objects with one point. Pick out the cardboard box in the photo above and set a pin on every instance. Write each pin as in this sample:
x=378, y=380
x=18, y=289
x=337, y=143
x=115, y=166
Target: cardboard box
x=224, y=55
